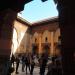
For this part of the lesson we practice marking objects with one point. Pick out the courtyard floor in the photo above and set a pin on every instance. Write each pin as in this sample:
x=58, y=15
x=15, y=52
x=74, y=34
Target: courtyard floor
x=35, y=72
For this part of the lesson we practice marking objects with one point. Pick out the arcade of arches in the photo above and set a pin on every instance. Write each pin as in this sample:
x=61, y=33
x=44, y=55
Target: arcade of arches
x=40, y=37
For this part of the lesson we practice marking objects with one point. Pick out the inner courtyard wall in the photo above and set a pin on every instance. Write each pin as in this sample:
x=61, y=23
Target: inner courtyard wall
x=39, y=38
x=45, y=37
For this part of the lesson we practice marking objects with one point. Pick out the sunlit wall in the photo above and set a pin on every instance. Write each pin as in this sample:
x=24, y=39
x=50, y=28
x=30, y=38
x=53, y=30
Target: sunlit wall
x=19, y=31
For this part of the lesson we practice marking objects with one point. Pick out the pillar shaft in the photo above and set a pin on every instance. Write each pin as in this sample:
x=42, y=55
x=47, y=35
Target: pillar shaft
x=40, y=42
x=67, y=28
x=52, y=43
x=7, y=18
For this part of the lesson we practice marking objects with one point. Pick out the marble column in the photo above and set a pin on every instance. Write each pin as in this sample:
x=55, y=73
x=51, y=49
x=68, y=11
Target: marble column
x=40, y=42
x=52, y=43
x=7, y=18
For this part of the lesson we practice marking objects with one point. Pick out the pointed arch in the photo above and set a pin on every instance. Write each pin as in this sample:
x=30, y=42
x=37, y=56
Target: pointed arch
x=46, y=37
x=35, y=38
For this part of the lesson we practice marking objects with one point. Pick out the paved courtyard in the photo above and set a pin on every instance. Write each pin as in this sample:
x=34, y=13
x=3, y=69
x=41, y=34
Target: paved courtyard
x=35, y=72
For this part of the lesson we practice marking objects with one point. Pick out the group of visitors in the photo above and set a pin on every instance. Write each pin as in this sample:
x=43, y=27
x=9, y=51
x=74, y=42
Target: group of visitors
x=27, y=60
x=55, y=67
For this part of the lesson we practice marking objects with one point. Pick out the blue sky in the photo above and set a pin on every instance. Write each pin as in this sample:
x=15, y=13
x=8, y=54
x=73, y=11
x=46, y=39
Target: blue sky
x=37, y=10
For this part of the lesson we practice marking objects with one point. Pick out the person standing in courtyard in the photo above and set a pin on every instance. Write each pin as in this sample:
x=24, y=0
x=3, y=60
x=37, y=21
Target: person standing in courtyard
x=12, y=60
x=27, y=62
x=17, y=63
x=32, y=65
x=23, y=62
x=43, y=63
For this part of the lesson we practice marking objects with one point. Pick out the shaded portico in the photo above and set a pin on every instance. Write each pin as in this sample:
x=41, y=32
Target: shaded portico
x=8, y=13
x=67, y=27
